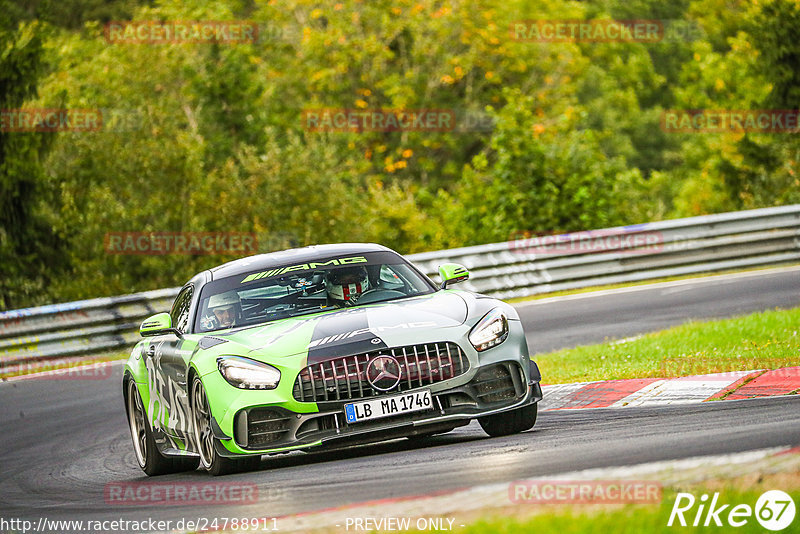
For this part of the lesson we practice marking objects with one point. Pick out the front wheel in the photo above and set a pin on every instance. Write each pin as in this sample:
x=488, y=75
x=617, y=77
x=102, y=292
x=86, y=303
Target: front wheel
x=511, y=422
x=147, y=454
x=210, y=460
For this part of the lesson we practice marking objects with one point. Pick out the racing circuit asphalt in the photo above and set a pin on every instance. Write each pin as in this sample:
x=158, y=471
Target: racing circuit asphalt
x=63, y=441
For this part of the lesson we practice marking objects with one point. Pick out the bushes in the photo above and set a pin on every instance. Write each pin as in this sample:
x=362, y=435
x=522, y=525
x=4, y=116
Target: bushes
x=210, y=137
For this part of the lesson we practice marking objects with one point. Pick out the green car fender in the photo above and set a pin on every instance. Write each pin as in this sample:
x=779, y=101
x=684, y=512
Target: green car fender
x=225, y=400
x=135, y=370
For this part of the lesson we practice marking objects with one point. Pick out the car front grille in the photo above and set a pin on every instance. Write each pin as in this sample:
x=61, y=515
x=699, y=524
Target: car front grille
x=345, y=378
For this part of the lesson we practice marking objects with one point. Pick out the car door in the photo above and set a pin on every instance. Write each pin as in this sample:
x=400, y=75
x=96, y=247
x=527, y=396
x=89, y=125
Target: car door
x=167, y=359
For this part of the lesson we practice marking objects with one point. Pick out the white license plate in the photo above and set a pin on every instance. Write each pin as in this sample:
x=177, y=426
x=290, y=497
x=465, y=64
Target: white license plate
x=413, y=401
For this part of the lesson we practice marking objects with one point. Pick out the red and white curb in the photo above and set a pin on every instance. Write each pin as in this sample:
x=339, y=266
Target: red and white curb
x=661, y=392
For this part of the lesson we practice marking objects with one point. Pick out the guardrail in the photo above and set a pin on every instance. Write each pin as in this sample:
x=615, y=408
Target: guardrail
x=516, y=268
x=526, y=266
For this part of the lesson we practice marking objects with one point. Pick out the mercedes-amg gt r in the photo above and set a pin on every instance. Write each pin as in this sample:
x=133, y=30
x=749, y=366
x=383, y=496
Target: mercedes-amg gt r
x=320, y=346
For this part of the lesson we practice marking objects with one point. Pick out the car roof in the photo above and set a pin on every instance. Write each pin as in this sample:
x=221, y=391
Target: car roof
x=295, y=255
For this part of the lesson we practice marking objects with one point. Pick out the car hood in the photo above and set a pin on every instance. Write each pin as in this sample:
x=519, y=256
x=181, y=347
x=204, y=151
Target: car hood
x=351, y=330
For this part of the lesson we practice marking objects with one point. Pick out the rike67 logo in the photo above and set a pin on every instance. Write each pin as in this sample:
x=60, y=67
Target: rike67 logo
x=774, y=510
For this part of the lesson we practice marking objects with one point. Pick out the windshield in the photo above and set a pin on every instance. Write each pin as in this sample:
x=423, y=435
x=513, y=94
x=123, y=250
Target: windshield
x=282, y=291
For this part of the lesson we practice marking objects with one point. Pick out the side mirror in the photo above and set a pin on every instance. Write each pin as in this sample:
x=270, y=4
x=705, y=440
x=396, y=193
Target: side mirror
x=452, y=273
x=158, y=324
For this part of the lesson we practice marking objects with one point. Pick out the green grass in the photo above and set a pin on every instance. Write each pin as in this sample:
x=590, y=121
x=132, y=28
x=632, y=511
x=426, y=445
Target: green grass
x=766, y=340
x=628, y=519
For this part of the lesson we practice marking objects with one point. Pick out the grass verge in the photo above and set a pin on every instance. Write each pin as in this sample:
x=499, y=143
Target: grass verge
x=580, y=519
x=742, y=485
x=764, y=340
x=631, y=518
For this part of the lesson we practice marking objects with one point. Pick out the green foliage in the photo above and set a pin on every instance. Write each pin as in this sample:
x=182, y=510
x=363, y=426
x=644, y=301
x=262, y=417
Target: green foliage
x=776, y=30
x=210, y=137
x=71, y=13
x=756, y=70
x=25, y=236
x=774, y=159
x=542, y=175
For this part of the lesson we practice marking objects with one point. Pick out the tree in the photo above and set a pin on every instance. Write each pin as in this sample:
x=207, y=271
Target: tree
x=29, y=252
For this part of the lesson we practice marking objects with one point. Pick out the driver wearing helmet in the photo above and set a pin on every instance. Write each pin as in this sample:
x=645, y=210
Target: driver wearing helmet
x=225, y=308
x=346, y=285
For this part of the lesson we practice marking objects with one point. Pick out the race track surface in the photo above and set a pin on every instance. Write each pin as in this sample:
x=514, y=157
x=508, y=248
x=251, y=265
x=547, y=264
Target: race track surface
x=63, y=441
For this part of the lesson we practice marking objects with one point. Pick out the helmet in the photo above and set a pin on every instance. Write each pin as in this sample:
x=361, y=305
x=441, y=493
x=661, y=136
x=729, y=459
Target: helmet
x=346, y=284
x=225, y=308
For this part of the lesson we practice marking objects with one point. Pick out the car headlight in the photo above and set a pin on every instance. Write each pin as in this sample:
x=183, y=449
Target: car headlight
x=490, y=331
x=245, y=373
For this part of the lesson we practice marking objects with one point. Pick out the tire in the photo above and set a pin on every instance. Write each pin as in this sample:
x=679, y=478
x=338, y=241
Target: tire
x=512, y=422
x=148, y=457
x=210, y=460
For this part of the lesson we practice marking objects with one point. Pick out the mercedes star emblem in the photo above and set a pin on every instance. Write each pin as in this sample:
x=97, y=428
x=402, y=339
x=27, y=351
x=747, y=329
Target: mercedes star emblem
x=383, y=372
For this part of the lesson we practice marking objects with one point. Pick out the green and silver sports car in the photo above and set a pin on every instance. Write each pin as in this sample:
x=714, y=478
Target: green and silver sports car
x=320, y=346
